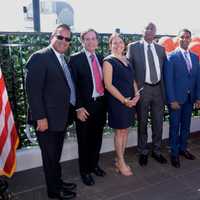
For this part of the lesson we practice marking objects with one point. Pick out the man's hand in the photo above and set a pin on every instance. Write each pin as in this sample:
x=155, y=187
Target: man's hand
x=42, y=125
x=175, y=105
x=82, y=114
x=197, y=104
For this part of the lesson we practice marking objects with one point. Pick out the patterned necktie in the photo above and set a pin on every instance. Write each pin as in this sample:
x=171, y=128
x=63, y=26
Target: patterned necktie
x=97, y=76
x=189, y=66
x=152, y=67
x=69, y=80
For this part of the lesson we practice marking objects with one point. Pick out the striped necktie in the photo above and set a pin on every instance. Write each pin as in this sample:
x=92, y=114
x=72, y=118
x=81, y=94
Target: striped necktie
x=188, y=63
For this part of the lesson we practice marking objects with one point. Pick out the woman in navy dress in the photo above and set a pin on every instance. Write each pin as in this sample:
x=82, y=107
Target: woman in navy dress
x=121, y=89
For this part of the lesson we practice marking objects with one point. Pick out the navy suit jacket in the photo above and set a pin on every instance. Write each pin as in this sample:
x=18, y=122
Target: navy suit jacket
x=47, y=89
x=178, y=81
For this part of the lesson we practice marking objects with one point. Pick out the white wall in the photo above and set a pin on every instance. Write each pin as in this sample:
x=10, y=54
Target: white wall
x=31, y=158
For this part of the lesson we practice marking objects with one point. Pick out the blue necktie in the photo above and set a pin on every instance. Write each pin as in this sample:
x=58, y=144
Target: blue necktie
x=69, y=80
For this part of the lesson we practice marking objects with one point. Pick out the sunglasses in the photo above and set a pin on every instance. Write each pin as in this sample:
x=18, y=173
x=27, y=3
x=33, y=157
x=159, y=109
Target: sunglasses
x=60, y=37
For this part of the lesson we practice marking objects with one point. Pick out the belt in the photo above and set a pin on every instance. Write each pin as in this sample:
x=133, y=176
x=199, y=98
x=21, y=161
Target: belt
x=99, y=98
x=151, y=84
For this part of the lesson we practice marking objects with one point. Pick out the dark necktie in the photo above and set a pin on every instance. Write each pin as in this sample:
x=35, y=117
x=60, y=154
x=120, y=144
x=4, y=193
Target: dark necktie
x=69, y=80
x=152, y=67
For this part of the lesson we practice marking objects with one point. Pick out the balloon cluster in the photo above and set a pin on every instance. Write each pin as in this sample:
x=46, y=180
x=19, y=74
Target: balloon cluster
x=171, y=44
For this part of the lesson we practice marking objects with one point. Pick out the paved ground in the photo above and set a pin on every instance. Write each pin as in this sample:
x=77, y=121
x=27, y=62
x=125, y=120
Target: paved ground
x=153, y=182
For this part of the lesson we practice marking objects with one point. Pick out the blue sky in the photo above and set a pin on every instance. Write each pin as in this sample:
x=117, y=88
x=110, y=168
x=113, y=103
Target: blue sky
x=106, y=15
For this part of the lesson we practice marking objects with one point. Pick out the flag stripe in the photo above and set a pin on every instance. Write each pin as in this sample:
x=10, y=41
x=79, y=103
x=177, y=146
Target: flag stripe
x=11, y=157
x=3, y=119
x=8, y=135
x=7, y=146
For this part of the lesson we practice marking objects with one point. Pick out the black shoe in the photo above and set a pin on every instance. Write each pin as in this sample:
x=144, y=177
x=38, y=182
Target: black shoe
x=68, y=186
x=187, y=155
x=62, y=195
x=87, y=179
x=99, y=172
x=159, y=158
x=3, y=186
x=175, y=161
x=143, y=160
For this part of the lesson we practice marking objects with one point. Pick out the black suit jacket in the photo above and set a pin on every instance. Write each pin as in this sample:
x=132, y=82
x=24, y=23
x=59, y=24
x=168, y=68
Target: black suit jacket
x=47, y=89
x=83, y=77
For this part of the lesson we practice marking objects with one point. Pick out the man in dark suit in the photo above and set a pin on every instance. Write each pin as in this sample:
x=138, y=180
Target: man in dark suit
x=182, y=78
x=86, y=66
x=51, y=93
x=147, y=59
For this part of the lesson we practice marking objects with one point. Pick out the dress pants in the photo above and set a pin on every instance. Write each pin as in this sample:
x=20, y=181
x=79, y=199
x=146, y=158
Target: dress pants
x=151, y=101
x=89, y=135
x=51, y=144
x=180, y=127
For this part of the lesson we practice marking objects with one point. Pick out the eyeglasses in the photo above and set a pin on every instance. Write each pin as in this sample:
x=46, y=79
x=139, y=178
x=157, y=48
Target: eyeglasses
x=60, y=37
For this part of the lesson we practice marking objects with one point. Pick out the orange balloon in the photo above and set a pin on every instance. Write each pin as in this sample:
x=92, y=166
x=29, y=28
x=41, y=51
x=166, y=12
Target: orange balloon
x=167, y=43
x=195, y=39
x=195, y=48
x=176, y=42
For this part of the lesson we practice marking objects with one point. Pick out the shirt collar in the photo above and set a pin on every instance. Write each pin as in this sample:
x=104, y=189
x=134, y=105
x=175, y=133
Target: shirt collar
x=56, y=52
x=146, y=43
x=183, y=51
x=88, y=54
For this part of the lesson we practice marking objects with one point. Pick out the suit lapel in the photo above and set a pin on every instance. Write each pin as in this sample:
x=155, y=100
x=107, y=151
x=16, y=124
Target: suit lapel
x=86, y=65
x=142, y=56
x=57, y=64
x=182, y=60
x=192, y=60
x=159, y=57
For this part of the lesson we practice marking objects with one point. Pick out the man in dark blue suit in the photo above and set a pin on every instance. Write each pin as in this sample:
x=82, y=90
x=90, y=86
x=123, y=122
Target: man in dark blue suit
x=182, y=82
x=51, y=94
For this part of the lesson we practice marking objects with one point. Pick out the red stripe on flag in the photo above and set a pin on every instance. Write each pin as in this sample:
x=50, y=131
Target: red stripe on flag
x=12, y=137
x=4, y=133
x=10, y=164
x=1, y=92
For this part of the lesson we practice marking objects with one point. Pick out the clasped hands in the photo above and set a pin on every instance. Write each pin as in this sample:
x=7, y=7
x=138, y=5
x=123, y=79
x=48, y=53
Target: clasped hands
x=131, y=102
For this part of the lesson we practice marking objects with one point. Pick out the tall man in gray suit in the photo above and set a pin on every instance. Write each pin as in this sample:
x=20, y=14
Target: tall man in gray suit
x=147, y=59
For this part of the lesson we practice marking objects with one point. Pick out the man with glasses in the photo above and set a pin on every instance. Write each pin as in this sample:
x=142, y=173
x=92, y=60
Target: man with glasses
x=86, y=66
x=51, y=94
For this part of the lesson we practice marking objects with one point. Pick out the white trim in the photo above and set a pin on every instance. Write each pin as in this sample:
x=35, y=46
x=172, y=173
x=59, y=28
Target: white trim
x=31, y=158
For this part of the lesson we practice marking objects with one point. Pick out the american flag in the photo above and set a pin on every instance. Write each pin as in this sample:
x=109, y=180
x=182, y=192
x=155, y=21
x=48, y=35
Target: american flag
x=8, y=135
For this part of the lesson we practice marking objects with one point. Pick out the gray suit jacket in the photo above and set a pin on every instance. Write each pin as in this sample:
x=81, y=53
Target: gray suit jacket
x=135, y=54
